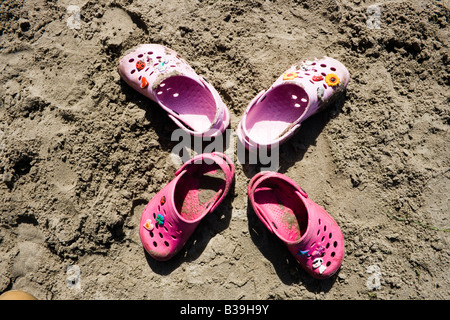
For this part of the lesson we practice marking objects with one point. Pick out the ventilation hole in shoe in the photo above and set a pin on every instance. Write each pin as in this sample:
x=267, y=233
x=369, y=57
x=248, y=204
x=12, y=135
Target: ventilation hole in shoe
x=323, y=65
x=324, y=74
x=307, y=74
x=315, y=70
x=158, y=57
x=175, y=95
x=318, y=232
x=140, y=55
x=151, y=234
x=333, y=254
x=150, y=52
x=164, y=212
x=313, y=64
x=160, y=235
x=327, y=246
x=170, y=224
x=173, y=237
x=312, y=244
x=328, y=263
x=311, y=81
x=324, y=228
x=159, y=92
x=274, y=225
x=335, y=244
x=154, y=215
x=131, y=60
x=155, y=244
x=159, y=207
x=146, y=70
x=151, y=73
x=173, y=66
x=323, y=238
x=140, y=77
x=333, y=69
x=155, y=64
x=166, y=243
x=294, y=97
x=320, y=221
x=165, y=228
x=300, y=77
x=330, y=235
x=133, y=71
x=304, y=100
x=297, y=105
x=325, y=86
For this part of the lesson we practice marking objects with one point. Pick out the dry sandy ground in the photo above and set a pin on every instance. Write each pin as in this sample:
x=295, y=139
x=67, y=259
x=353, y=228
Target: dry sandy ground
x=81, y=153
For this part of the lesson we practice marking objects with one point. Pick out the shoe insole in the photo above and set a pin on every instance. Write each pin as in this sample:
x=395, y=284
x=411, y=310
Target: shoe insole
x=284, y=210
x=275, y=113
x=193, y=103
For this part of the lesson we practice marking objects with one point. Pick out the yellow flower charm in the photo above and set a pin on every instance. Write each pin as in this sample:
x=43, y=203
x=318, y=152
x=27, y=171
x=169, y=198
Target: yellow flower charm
x=290, y=76
x=332, y=80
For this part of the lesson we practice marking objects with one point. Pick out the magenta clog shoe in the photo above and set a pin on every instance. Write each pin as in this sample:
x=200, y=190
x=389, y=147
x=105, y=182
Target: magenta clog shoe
x=173, y=214
x=309, y=232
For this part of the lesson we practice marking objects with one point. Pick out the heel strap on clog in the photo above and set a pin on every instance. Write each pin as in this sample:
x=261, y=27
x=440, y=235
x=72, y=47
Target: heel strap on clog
x=223, y=161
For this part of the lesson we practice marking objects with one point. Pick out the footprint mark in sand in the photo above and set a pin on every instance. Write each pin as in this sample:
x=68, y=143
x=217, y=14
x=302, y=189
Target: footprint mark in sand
x=63, y=177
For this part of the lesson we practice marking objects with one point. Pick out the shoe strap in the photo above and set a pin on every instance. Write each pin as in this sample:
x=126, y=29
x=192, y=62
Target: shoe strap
x=223, y=161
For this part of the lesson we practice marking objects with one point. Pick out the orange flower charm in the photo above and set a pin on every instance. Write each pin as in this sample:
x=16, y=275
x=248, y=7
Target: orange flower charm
x=290, y=76
x=332, y=80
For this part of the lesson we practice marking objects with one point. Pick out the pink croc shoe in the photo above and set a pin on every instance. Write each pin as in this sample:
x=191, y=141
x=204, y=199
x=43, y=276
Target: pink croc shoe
x=160, y=74
x=309, y=232
x=174, y=212
x=303, y=90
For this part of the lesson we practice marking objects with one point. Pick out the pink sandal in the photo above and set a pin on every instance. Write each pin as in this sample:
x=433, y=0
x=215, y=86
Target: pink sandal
x=173, y=213
x=303, y=90
x=309, y=232
x=160, y=74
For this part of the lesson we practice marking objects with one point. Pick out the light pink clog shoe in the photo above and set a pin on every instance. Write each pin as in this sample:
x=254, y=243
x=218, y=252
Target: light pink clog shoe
x=160, y=74
x=309, y=232
x=303, y=90
x=174, y=213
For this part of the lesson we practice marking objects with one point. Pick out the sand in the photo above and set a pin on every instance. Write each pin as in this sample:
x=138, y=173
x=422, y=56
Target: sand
x=81, y=153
